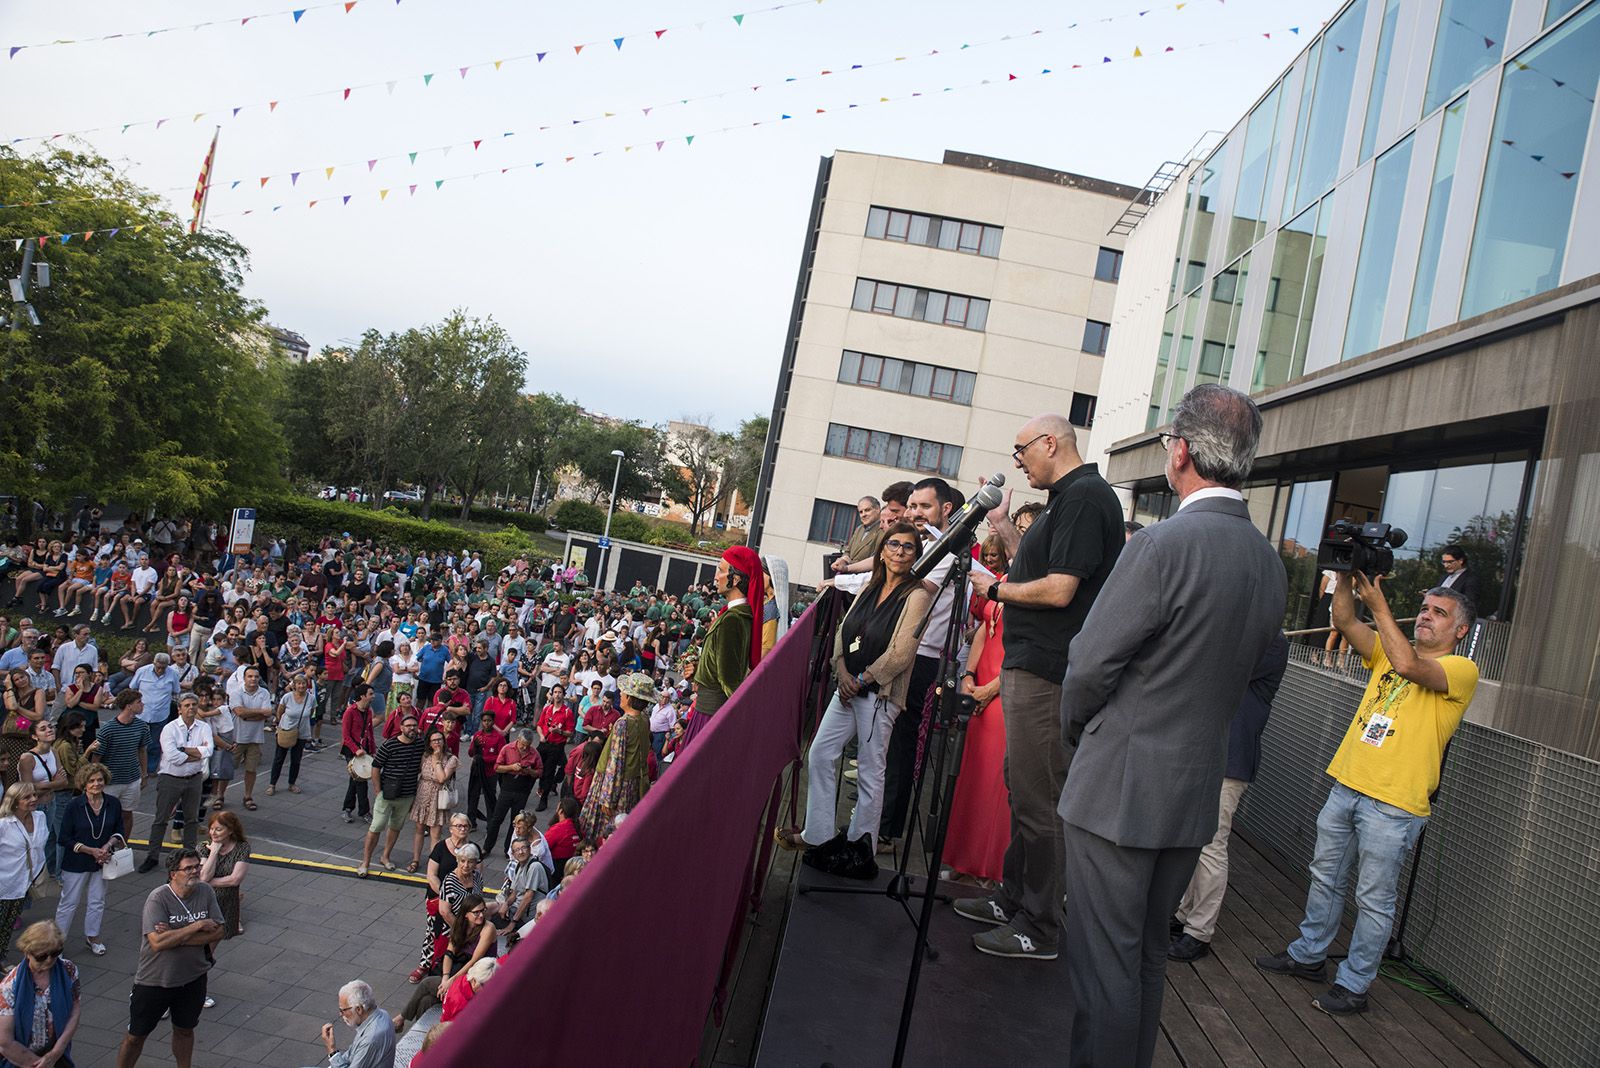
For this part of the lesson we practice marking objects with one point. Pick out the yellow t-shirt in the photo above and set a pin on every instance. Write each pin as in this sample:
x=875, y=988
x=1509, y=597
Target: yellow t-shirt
x=1396, y=741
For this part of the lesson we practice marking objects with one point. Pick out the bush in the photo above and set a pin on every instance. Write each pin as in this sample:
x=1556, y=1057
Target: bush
x=630, y=526
x=579, y=515
x=534, y=522
x=311, y=520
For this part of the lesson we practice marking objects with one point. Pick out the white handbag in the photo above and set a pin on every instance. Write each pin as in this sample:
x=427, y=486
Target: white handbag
x=446, y=799
x=121, y=862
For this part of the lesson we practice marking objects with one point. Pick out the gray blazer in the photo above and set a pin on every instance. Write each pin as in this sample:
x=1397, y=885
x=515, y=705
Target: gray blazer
x=1158, y=671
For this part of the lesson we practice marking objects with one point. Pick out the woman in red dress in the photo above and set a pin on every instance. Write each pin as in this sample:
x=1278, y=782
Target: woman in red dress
x=980, y=815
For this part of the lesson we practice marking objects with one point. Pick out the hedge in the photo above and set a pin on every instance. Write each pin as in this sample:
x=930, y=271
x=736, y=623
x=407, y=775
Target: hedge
x=579, y=515
x=534, y=522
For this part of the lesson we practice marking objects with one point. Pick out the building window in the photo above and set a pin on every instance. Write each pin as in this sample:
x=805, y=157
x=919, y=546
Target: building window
x=1324, y=109
x=1095, y=336
x=934, y=231
x=1470, y=38
x=1370, y=294
x=1292, y=296
x=831, y=521
x=1535, y=157
x=906, y=376
x=927, y=305
x=1082, y=409
x=1108, y=265
x=1444, y=176
x=893, y=450
x=1380, y=79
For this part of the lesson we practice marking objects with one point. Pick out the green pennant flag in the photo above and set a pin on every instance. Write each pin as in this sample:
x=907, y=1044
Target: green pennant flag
x=689, y=140
x=427, y=79
x=438, y=183
x=738, y=20
x=413, y=156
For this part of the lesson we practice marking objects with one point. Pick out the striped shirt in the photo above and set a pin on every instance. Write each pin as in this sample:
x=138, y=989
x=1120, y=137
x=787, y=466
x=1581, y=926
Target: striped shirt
x=400, y=764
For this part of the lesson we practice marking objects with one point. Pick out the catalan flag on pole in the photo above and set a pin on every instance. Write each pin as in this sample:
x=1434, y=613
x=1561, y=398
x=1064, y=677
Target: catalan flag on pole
x=202, y=188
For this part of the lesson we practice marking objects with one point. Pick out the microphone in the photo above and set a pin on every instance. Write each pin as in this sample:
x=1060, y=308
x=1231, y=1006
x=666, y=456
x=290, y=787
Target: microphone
x=958, y=531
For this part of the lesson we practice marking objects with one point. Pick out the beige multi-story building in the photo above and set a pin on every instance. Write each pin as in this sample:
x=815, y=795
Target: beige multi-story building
x=939, y=306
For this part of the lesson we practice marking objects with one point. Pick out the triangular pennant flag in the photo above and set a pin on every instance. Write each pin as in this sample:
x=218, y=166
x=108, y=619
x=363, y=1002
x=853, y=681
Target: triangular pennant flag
x=1488, y=42
x=659, y=33
x=427, y=79
x=1136, y=53
x=198, y=116
x=438, y=183
x=1569, y=175
x=1295, y=30
x=18, y=246
x=312, y=204
x=115, y=230
x=87, y=234
x=618, y=42
x=570, y=159
x=1268, y=36
x=294, y=177
x=272, y=105
x=390, y=87
x=1011, y=77
x=159, y=123
x=383, y=194
x=235, y=184
x=125, y=126
x=42, y=240
x=65, y=238
x=647, y=111
x=265, y=180
x=348, y=5
x=476, y=143
x=347, y=197
x=1169, y=48
x=689, y=140
x=538, y=57
x=347, y=94
x=413, y=190
x=1107, y=59
x=298, y=12
x=371, y=163
x=17, y=48
x=659, y=144
x=785, y=116
x=464, y=71
x=738, y=20
x=327, y=172
x=236, y=112
x=413, y=156
x=577, y=50
x=497, y=63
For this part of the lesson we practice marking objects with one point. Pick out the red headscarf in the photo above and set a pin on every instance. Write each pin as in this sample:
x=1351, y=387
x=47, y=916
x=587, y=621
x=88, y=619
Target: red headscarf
x=743, y=559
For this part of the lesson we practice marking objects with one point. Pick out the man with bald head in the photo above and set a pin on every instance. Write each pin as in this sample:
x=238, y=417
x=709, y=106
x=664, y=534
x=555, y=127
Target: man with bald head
x=1057, y=569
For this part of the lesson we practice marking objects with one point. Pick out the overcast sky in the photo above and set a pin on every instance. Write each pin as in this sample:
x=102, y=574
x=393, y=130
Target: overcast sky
x=648, y=283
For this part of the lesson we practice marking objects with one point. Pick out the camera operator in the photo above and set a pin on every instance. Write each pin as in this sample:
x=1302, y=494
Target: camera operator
x=1385, y=770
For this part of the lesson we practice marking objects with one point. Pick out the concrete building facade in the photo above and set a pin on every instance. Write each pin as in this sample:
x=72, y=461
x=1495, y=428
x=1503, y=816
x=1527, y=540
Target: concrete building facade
x=939, y=306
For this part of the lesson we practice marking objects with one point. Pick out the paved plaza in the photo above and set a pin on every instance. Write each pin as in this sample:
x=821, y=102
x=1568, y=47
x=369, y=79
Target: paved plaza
x=310, y=926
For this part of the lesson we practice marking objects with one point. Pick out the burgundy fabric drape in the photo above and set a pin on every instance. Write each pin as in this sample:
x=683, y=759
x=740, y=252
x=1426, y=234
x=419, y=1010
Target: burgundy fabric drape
x=623, y=969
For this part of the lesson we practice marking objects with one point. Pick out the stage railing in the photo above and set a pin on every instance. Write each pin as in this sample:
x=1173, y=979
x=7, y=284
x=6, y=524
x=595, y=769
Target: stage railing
x=626, y=966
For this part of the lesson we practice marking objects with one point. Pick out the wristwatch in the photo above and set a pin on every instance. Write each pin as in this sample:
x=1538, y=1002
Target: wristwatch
x=994, y=592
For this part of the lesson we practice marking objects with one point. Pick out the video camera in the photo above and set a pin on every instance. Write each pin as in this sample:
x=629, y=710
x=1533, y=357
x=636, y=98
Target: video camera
x=1364, y=547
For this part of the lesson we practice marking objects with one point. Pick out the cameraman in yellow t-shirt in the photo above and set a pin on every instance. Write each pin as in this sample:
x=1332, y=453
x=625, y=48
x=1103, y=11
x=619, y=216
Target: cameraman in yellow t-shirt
x=1384, y=772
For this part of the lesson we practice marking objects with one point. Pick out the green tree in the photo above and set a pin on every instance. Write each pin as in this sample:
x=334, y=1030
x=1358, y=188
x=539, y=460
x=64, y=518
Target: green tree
x=744, y=459
x=149, y=379
x=644, y=458
x=694, y=470
x=547, y=420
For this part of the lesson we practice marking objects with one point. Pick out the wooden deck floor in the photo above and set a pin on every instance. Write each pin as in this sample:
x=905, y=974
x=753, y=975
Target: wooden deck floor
x=1223, y=1011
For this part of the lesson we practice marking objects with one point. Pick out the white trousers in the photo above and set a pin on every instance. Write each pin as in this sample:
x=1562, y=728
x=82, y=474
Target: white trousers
x=869, y=719
x=73, y=884
x=1202, y=901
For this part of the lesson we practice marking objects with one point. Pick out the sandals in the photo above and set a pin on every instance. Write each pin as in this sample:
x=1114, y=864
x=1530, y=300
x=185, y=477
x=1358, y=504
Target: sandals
x=293, y=789
x=96, y=947
x=362, y=872
x=270, y=791
x=250, y=804
x=412, y=867
x=789, y=838
x=388, y=865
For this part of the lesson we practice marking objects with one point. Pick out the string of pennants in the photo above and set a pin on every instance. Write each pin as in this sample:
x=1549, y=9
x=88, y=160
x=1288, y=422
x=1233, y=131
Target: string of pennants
x=295, y=13
x=427, y=79
x=683, y=140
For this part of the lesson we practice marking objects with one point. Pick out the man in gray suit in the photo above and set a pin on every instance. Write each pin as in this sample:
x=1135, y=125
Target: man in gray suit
x=1154, y=680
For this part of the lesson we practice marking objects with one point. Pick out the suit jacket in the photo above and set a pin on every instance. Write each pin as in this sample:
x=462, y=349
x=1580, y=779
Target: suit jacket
x=1158, y=671
x=1466, y=584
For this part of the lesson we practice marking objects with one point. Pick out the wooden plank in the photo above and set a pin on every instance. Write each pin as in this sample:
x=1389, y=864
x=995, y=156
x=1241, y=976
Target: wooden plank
x=1166, y=1056
x=1188, y=1039
x=1215, y=1020
x=1281, y=1037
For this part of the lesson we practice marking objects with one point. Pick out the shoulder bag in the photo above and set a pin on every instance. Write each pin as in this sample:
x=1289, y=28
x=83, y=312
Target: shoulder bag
x=121, y=862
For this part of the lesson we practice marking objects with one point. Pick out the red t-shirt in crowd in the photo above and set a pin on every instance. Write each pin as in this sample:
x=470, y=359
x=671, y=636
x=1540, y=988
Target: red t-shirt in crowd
x=487, y=744
x=457, y=997
x=556, y=723
x=504, y=709
x=599, y=720
x=563, y=839
x=333, y=660
x=528, y=758
x=433, y=716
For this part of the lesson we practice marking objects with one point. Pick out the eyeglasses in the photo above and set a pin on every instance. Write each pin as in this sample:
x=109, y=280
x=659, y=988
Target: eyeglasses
x=901, y=546
x=346, y=1008
x=1167, y=438
x=189, y=869
x=1017, y=452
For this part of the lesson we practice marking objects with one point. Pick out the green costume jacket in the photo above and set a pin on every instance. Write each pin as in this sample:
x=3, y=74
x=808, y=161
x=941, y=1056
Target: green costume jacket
x=725, y=654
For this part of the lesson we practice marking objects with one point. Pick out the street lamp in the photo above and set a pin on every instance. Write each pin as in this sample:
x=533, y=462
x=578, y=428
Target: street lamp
x=605, y=541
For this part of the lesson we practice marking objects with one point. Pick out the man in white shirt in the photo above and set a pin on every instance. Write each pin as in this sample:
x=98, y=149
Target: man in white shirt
x=80, y=650
x=553, y=670
x=158, y=687
x=250, y=707
x=186, y=748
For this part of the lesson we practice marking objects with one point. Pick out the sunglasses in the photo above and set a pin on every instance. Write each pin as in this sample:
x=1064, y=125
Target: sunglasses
x=45, y=958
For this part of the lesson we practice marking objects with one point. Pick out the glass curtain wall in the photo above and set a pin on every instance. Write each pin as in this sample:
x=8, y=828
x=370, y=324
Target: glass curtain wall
x=1470, y=40
x=1444, y=177
x=1209, y=182
x=1557, y=8
x=1535, y=155
x=1380, y=79
x=1369, y=296
x=1292, y=296
x=1163, y=360
x=1222, y=323
x=1315, y=161
x=1305, y=518
x=1255, y=168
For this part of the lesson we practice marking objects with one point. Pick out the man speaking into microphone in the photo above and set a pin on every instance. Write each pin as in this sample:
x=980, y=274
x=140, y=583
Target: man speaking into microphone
x=1057, y=570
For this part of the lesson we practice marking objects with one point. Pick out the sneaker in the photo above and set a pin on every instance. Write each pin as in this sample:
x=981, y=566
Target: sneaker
x=982, y=909
x=1337, y=1001
x=94, y=616
x=824, y=856
x=850, y=774
x=1187, y=948
x=61, y=611
x=348, y=818
x=1009, y=942
x=210, y=1003
x=1283, y=964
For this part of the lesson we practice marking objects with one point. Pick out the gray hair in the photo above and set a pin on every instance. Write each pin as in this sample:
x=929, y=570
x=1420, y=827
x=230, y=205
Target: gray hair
x=1466, y=611
x=163, y=659
x=482, y=971
x=358, y=995
x=1222, y=428
x=468, y=851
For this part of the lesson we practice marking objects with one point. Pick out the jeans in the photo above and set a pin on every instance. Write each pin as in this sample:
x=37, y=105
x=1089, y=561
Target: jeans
x=152, y=746
x=53, y=816
x=470, y=727
x=1353, y=825
x=869, y=719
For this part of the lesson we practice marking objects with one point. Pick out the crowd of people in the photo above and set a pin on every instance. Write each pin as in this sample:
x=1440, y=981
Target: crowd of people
x=520, y=712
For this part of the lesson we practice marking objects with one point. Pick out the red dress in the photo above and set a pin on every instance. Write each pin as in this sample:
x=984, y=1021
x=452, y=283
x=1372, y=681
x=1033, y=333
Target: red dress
x=980, y=815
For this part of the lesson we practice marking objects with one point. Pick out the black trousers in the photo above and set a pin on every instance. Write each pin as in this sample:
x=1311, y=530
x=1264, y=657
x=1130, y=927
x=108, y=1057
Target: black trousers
x=480, y=783
x=355, y=798
x=553, y=757
x=900, y=770
x=514, y=791
x=294, y=755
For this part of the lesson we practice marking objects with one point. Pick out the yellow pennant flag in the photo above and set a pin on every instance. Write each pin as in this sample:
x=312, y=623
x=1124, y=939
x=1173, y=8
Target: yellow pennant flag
x=383, y=194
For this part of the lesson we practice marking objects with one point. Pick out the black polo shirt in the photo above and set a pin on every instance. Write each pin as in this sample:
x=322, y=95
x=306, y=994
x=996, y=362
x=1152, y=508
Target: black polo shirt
x=1078, y=533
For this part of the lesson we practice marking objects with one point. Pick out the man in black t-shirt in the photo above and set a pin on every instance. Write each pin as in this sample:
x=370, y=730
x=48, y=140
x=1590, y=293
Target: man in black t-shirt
x=1057, y=570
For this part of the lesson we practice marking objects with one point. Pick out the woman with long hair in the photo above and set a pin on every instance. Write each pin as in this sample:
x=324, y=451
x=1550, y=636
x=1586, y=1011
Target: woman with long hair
x=980, y=813
x=873, y=653
x=24, y=706
x=471, y=938
x=438, y=773
x=227, y=862
x=41, y=765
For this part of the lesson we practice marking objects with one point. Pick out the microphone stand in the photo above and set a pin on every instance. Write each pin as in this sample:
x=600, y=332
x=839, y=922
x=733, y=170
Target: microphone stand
x=951, y=709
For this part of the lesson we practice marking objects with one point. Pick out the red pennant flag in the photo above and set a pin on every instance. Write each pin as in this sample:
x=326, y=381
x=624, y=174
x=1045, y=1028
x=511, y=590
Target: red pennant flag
x=272, y=105
x=348, y=5
x=347, y=94
x=476, y=143
x=577, y=50
x=1011, y=77
x=265, y=180
x=659, y=33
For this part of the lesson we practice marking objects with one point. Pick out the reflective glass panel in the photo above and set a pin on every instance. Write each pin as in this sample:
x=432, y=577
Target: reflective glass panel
x=1444, y=176
x=1535, y=155
x=1163, y=358
x=1247, y=226
x=1178, y=377
x=1304, y=519
x=1205, y=209
x=1369, y=296
x=1323, y=136
x=1302, y=117
x=1471, y=38
x=1556, y=8
x=1380, y=79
